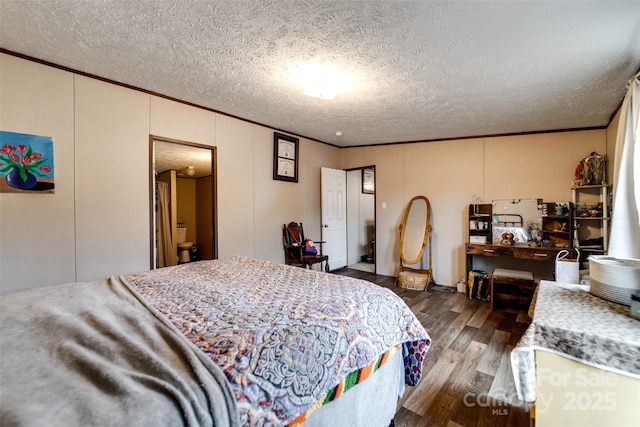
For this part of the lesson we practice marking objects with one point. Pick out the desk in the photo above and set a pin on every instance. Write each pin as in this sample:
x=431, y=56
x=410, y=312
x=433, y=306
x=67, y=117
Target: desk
x=518, y=251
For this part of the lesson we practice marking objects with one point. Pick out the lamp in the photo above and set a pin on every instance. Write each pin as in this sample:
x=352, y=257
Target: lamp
x=190, y=171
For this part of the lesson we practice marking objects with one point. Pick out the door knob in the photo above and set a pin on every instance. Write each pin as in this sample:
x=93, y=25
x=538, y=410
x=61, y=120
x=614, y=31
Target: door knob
x=326, y=225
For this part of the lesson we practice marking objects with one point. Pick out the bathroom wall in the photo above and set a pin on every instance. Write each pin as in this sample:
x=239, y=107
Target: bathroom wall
x=204, y=218
x=186, y=203
x=195, y=209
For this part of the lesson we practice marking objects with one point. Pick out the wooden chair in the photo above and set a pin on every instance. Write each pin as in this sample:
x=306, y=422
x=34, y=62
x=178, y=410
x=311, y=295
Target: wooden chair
x=294, y=243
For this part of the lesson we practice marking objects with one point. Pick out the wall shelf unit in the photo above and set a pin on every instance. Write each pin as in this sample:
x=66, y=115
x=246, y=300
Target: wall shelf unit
x=480, y=223
x=557, y=224
x=591, y=218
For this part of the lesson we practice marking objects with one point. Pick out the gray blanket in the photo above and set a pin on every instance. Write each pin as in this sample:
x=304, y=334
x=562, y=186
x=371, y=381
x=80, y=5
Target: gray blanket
x=93, y=354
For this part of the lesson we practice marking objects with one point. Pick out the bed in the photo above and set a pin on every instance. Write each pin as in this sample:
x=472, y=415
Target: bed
x=509, y=223
x=237, y=341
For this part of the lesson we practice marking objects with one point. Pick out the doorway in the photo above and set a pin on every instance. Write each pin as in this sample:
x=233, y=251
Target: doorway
x=189, y=170
x=361, y=219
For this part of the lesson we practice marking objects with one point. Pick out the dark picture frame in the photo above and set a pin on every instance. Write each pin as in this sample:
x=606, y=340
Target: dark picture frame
x=285, y=157
x=368, y=181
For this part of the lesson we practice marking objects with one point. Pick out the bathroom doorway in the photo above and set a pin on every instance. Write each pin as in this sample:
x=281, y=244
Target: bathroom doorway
x=182, y=202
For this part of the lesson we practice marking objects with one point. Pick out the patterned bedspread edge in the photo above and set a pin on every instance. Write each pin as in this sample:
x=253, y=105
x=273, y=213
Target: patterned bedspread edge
x=354, y=378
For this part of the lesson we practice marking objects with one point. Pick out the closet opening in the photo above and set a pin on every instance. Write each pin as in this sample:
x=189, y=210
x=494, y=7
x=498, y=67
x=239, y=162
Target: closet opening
x=361, y=219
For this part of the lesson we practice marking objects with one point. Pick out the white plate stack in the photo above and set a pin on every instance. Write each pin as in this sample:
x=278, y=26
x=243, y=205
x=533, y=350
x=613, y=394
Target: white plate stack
x=614, y=279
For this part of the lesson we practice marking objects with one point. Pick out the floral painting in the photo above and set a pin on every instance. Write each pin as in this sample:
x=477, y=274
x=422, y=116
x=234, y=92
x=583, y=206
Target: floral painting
x=26, y=163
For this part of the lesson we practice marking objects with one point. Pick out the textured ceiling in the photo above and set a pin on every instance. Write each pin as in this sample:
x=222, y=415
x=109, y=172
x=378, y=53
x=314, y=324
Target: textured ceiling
x=168, y=155
x=423, y=70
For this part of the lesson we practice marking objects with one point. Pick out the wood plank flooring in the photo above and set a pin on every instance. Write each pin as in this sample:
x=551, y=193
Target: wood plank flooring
x=467, y=378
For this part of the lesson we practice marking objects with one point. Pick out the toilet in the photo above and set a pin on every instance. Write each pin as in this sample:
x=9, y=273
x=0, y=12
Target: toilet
x=184, y=248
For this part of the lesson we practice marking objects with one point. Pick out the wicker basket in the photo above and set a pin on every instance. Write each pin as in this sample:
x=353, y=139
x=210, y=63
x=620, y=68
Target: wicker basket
x=412, y=280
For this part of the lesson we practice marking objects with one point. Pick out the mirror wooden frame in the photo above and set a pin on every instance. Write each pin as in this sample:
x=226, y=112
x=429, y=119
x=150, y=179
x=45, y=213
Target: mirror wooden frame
x=426, y=280
x=426, y=232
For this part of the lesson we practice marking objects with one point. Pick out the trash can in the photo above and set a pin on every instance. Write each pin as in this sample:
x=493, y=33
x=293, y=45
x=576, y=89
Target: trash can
x=194, y=253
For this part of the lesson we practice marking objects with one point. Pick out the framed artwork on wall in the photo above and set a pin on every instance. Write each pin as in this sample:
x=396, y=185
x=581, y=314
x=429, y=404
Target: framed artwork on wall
x=368, y=181
x=285, y=157
x=26, y=163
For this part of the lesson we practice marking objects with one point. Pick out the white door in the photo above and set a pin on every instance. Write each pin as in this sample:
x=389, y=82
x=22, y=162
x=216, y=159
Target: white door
x=333, y=184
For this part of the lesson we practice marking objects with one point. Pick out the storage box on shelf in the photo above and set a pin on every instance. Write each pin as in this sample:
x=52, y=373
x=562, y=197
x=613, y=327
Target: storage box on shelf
x=480, y=223
x=591, y=218
x=557, y=224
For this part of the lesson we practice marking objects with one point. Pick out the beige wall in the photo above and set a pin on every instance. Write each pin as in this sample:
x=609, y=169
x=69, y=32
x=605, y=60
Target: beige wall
x=450, y=173
x=111, y=179
x=37, y=232
x=612, y=133
x=97, y=222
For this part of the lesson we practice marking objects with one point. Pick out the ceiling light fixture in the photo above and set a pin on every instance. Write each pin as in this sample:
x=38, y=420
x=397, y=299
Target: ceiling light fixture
x=320, y=90
x=190, y=170
x=322, y=81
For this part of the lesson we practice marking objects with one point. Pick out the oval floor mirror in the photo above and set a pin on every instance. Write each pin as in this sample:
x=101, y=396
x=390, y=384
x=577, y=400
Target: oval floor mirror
x=415, y=236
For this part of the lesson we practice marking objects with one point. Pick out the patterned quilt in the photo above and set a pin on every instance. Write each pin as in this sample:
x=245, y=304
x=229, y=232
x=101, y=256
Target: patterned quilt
x=284, y=336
